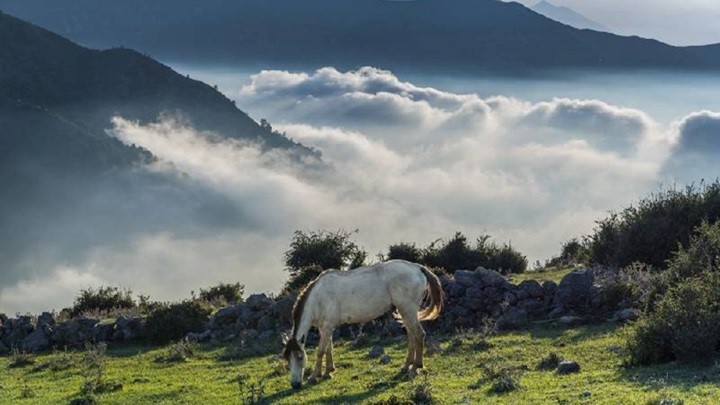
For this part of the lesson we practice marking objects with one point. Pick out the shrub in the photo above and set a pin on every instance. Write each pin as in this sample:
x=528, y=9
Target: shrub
x=226, y=292
x=301, y=278
x=457, y=253
x=102, y=299
x=632, y=285
x=652, y=230
x=168, y=322
x=328, y=250
x=20, y=359
x=685, y=325
x=502, y=379
x=405, y=251
x=179, y=351
x=507, y=260
x=573, y=252
x=549, y=362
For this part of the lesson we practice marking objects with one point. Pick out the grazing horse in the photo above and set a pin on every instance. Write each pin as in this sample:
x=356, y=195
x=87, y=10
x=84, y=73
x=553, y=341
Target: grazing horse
x=356, y=296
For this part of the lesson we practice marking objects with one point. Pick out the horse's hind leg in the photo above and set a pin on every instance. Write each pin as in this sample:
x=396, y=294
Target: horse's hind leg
x=411, y=342
x=416, y=339
x=329, y=364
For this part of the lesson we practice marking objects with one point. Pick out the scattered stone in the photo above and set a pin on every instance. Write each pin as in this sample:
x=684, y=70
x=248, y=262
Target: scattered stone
x=385, y=359
x=513, y=318
x=491, y=277
x=568, y=367
x=570, y=320
x=626, y=315
x=586, y=394
x=376, y=352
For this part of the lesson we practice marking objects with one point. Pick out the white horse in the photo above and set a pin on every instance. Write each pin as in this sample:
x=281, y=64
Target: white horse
x=357, y=296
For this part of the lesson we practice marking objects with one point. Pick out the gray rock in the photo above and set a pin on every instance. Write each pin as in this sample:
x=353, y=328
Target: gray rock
x=568, y=367
x=46, y=318
x=513, y=318
x=466, y=278
x=574, y=290
x=266, y=335
x=510, y=298
x=224, y=317
x=549, y=287
x=283, y=309
x=199, y=337
x=569, y=320
x=103, y=332
x=626, y=315
x=491, y=277
x=455, y=290
x=533, y=288
x=36, y=342
x=385, y=359
x=376, y=352
x=266, y=323
x=260, y=302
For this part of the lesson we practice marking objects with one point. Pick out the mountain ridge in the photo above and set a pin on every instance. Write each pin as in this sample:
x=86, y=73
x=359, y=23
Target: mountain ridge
x=470, y=36
x=567, y=16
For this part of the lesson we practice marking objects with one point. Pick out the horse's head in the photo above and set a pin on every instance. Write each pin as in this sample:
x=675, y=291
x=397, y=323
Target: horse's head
x=294, y=353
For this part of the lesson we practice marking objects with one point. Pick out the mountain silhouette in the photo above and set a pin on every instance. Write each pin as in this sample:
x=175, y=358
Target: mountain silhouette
x=469, y=36
x=567, y=16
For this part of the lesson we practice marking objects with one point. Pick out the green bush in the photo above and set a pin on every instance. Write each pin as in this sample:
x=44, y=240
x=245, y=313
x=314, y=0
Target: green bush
x=457, y=253
x=405, y=251
x=684, y=305
x=652, y=230
x=102, y=299
x=168, y=322
x=301, y=278
x=226, y=292
x=573, y=252
x=327, y=250
x=685, y=326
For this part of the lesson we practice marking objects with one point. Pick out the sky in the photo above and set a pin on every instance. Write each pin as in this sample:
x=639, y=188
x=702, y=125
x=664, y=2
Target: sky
x=686, y=22
x=403, y=163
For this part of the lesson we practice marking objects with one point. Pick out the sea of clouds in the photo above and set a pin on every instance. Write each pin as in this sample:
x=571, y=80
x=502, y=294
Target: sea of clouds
x=401, y=163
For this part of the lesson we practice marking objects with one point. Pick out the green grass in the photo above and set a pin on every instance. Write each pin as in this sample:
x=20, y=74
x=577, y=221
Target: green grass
x=457, y=375
x=553, y=274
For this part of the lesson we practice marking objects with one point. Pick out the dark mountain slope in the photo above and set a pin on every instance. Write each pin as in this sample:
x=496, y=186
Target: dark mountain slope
x=452, y=35
x=57, y=99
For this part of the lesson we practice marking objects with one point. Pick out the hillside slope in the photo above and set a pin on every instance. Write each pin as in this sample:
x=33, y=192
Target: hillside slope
x=57, y=99
x=567, y=16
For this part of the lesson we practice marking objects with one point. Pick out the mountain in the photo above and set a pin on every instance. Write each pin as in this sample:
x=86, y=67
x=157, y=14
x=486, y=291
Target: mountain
x=567, y=16
x=57, y=99
x=468, y=36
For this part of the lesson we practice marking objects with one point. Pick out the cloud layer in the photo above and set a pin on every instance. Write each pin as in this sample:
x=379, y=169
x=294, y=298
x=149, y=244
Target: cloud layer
x=404, y=163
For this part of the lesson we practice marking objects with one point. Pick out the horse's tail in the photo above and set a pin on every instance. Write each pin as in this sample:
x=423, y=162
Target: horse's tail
x=437, y=297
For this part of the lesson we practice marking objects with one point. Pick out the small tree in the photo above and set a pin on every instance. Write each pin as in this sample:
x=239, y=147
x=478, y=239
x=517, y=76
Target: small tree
x=327, y=250
x=228, y=292
x=405, y=251
x=102, y=299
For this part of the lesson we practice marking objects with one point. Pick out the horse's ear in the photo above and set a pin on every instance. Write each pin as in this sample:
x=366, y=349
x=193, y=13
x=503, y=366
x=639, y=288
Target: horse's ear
x=285, y=338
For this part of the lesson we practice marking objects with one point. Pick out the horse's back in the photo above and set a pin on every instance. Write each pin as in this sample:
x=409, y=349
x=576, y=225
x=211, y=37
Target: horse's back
x=365, y=293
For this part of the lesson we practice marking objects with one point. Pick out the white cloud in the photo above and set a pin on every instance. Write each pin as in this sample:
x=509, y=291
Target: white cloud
x=531, y=173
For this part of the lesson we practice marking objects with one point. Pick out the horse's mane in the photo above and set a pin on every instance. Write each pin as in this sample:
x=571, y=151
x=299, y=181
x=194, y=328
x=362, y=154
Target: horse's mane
x=300, y=304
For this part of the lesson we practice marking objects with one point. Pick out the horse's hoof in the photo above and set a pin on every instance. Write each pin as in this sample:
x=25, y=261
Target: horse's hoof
x=328, y=375
x=419, y=367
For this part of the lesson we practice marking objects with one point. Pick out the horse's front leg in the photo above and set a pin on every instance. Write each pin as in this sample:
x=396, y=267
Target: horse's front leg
x=322, y=347
x=329, y=364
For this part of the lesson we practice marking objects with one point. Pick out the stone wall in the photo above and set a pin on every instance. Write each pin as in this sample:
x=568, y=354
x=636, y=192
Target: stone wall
x=470, y=298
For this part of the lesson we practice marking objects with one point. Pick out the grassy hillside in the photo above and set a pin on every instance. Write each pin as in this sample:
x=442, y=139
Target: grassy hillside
x=455, y=374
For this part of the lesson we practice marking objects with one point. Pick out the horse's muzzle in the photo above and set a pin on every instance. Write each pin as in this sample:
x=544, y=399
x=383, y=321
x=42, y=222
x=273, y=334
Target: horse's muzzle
x=296, y=385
